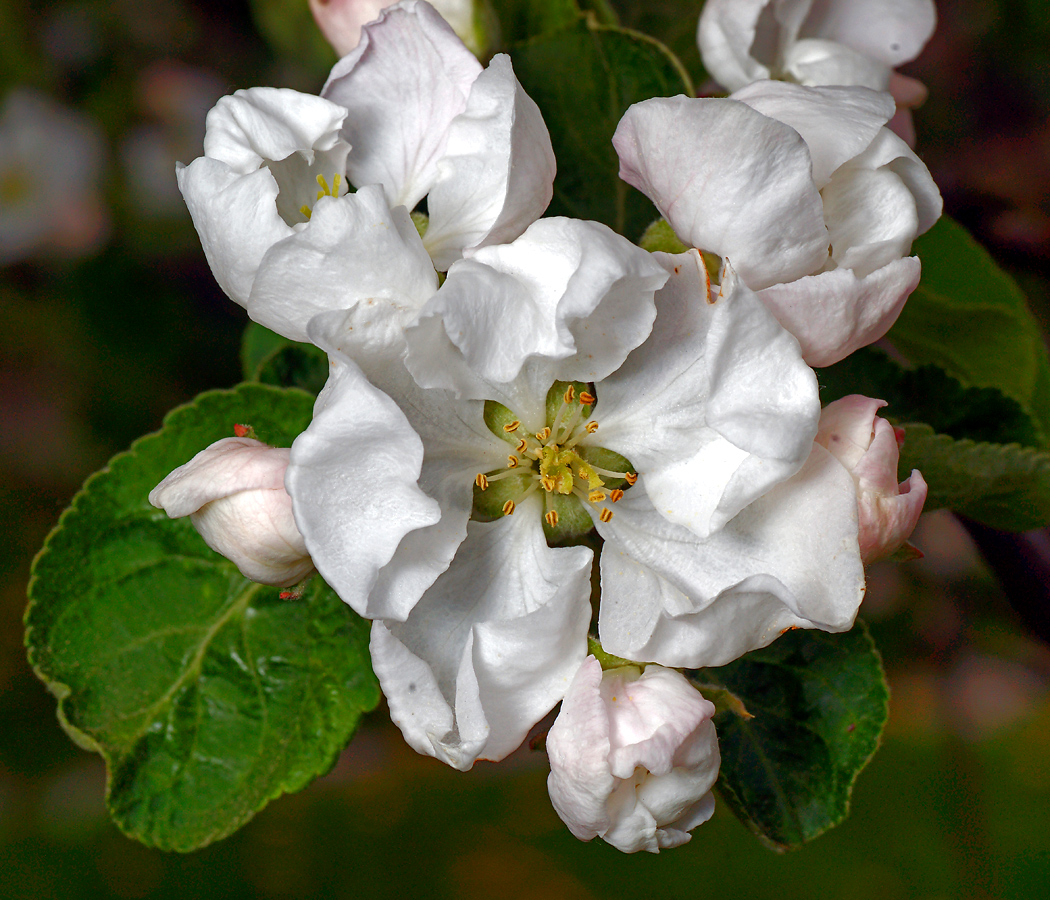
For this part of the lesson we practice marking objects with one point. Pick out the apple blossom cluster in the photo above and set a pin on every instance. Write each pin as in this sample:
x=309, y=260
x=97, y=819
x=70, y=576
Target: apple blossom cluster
x=515, y=400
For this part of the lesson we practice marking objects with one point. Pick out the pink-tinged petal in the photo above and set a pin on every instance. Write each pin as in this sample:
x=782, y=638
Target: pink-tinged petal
x=847, y=427
x=909, y=93
x=566, y=291
x=726, y=33
x=355, y=249
x=834, y=313
x=892, y=31
x=237, y=220
x=352, y=478
x=837, y=123
x=790, y=559
x=341, y=21
x=815, y=61
x=729, y=180
x=886, y=522
x=497, y=174
x=493, y=644
x=403, y=85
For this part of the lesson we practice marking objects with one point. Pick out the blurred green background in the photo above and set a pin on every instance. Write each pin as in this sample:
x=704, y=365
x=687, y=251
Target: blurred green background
x=111, y=317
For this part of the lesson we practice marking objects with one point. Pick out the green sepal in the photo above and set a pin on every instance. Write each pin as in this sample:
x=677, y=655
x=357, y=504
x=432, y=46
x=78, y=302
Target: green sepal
x=206, y=694
x=660, y=237
x=818, y=704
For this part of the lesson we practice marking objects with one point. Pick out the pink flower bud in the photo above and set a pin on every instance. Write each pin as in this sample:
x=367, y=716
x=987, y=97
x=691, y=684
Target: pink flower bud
x=633, y=757
x=341, y=21
x=233, y=492
x=869, y=448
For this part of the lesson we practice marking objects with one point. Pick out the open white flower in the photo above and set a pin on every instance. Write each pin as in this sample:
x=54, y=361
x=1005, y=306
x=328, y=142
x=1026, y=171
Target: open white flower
x=686, y=443
x=410, y=113
x=841, y=42
x=634, y=756
x=804, y=190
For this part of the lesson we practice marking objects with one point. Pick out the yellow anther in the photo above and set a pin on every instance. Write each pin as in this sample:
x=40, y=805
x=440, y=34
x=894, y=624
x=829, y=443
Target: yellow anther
x=552, y=518
x=631, y=478
x=570, y=394
x=591, y=427
x=587, y=398
x=508, y=508
x=511, y=427
x=615, y=495
x=481, y=481
x=605, y=515
x=523, y=445
x=547, y=482
x=543, y=435
x=597, y=496
x=512, y=462
x=305, y=210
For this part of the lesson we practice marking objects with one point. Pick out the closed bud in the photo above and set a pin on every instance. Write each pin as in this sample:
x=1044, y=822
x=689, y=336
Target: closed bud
x=233, y=492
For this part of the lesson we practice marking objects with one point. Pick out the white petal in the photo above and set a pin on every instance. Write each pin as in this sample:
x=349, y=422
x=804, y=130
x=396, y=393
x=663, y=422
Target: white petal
x=816, y=62
x=237, y=220
x=789, y=559
x=354, y=249
x=871, y=218
x=492, y=646
x=725, y=34
x=730, y=180
x=893, y=31
x=834, y=313
x=403, y=85
x=837, y=123
x=497, y=175
x=352, y=478
x=566, y=290
x=263, y=125
x=716, y=407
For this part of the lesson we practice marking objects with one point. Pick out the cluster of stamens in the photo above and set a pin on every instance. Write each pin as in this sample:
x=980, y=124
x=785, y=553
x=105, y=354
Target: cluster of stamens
x=549, y=460
x=325, y=191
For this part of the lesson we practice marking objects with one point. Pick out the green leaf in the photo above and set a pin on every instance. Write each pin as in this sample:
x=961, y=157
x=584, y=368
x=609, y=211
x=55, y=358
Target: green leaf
x=291, y=31
x=257, y=343
x=271, y=359
x=928, y=394
x=969, y=318
x=207, y=695
x=583, y=79
x=819, y=703
x=1004, y=486
x=520, y=20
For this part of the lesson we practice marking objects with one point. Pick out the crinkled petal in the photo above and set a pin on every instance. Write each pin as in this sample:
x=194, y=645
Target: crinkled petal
x=846, y=428
x=716, y=406
x=730, y=180
x=815, y=62
x=403, y=85
x=566, y=290
x=497, y=174
x=264, y=124
x=725, y=34
x=871, y=218
x=837, y=123
x=237, y=220
x=834, y=313
x=789, y=559
x=892, y=31
x=887, y=521
x=492, y=646
x=352, y=478
x=355, y=249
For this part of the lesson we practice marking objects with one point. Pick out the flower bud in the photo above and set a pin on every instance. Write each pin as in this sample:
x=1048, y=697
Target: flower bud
x=633, y=757
x=868, y=447
x=233, y=492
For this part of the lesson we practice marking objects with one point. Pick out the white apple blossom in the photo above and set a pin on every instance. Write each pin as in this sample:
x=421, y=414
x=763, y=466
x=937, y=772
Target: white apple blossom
x=827, y=42
x=634, y=756
x=341, y=21
x=869, y=448
x=804, y=190
x=233, y=492
x=540, y=391
x=410, y=113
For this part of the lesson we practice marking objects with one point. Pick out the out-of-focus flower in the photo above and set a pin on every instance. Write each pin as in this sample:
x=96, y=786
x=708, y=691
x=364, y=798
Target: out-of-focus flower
x=634, y=756
x=868, y=447
x=410, y=113
x=51, y=160
x=341, y=21
x=233, y=492
x=803, y=189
